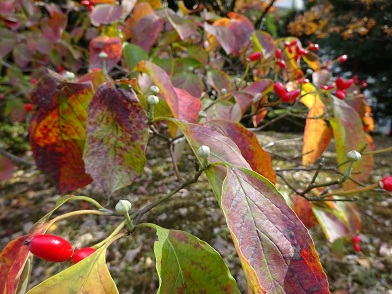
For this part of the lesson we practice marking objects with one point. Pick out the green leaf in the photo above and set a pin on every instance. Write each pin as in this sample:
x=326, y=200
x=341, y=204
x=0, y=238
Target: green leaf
x=89, y=275
x=190, y=82
x=117, y=135
x=186, y=264
x=349, y=135
x=133, y=54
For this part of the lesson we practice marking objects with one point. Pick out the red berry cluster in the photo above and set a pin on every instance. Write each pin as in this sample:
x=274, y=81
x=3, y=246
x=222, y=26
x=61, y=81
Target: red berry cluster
x=284, y=95
x=342, y=85
x=356, y=240
x=88, y=4
x=56, y=249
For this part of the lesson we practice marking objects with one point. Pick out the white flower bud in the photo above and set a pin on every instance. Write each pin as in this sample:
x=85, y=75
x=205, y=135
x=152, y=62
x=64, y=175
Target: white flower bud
x=354, y=155
x=152, y=100
x=223, y=91
x=204, y=151
x=154, y=89
x=103, y=55
x=309, y=71
x=123, y=206
x=69, y=75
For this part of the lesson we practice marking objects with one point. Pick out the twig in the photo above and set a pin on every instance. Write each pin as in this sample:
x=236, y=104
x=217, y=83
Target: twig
x=260, y=19
x=15, y=158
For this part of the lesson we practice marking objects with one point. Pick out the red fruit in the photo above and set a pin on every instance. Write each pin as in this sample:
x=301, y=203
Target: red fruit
x=356, y=239
x=278, y=53
x=279, y=89
x=290, y=96
x=327, y=87
x=314, y=47
x=355, y=79
x=50, y=247
x=357, y=247
x=61, y=68
x=255, y=56
x=293, y=42
x=342, y=58
x=301, y=51
x=281, y=63
x=286, y=44
x=1, y=96
x=82, y=253
x=302, y=81
x=91, y=7
x=85, y=3
x=343, y=84
x=28, y=107
x=363, y=84
x=341, y=94
x=386, y=183
x=33, y=81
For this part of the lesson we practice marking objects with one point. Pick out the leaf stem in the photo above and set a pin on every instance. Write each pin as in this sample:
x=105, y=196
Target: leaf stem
x=115, y=232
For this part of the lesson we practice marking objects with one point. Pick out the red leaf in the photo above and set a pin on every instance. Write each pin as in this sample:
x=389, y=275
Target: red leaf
x=264, y=42
x=303, y=209
x=152, y=24
x=234, y=35
x=185, y=27
x=247, y=142
x=57, y=130
x=189, y=106
x=6, y=168
x=53, y=27
x=112, y=46
x=117, y=135
x=105, y=14
x=163, y=82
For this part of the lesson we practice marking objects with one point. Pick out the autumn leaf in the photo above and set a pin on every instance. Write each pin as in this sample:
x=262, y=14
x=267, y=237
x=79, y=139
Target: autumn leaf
x=317, y=133
x=186, y=264
x=112, y=46
x=57, y=130
x=117, y=135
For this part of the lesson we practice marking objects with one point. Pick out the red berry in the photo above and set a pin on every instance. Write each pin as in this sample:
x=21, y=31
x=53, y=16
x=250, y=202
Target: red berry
x=61, y=68
x=314, y=47
x=356, y=239
x=355, y=79
x=255, y=56
x=357, y=247
x=278, y=53
x=50, y=248
x=290, y=96
x=342, y=58
x=81, y=254
x=343, y=84
x=33, y=81
x=279, y=89
x=85, y=3
x=341, y=94
x=363, y=84
x=91, y=7
x=281, y=63
x=286, y=44
x=1, y=96
x=328, y=87
x=293, y=42
x=386, y=183
x=302, y=81
x=301, y=51
x=28, y=107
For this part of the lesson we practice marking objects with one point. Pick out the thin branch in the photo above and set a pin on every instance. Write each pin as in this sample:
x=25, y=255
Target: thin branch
x=260, y=19
x=15, y=158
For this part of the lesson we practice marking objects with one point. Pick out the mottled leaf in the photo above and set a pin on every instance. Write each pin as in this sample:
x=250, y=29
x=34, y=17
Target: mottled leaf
x=153, y=24
x=218, y=80
x=189, y=106
x=105, y=14
x=263, y=41
x=186, y=264
x=96, y=77
x=6, y=168
x=234, y=35
x=312, y=60
x=163, y=82
x=90, y=275
x=133, y=54
x=111, y=46
x=317, y=134
x=22, y=55
x=8, y=41
x=276, y=250
x=247, y=142
x=190, y=82
x=57, y=130
x=117, y=135
x=349, y=135
x=274, y=247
